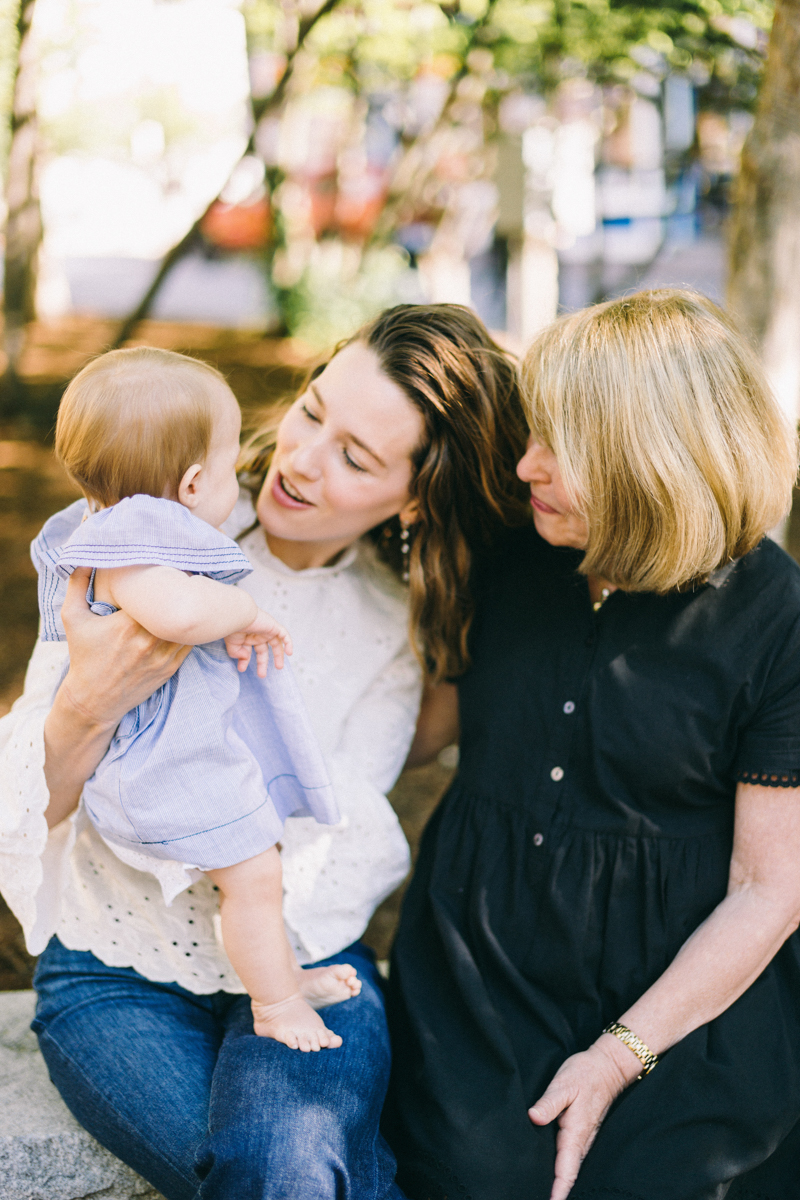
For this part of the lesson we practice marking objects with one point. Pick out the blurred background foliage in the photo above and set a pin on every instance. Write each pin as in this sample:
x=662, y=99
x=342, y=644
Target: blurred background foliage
x=429, y=86
x=374, y=133
x=8, y=57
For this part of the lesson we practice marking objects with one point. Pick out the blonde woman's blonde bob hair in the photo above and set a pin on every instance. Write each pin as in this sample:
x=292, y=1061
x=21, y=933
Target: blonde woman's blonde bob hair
x=669, y=441
x=132, y=422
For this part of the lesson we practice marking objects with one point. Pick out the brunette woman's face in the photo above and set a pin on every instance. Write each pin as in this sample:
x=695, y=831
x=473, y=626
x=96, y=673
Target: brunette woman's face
x=342, y=460
x=553, y=514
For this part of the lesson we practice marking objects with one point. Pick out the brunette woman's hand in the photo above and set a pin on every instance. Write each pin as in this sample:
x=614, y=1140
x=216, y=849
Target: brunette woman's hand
x=579, y=1096
x=114, y=665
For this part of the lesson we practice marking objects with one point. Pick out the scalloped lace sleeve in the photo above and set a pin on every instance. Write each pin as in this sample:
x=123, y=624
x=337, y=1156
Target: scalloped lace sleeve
x=33, y=864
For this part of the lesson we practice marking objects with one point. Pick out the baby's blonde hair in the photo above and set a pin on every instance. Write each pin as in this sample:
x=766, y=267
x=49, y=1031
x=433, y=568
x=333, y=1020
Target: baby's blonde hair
x=669, y=441
x=133, y=421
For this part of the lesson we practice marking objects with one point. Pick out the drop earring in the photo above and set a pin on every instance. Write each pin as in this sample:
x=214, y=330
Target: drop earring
x=405, y=549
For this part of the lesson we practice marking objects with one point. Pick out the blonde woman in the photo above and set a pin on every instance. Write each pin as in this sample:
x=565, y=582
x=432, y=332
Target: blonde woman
x=594, y=990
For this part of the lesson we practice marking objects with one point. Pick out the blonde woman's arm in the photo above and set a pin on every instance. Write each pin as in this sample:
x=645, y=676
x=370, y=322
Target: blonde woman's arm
x=720, y=960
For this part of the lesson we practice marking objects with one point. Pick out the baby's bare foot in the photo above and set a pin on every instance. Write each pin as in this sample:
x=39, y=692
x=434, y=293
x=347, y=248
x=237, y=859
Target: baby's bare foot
x=294, y=1023
x=321, y=986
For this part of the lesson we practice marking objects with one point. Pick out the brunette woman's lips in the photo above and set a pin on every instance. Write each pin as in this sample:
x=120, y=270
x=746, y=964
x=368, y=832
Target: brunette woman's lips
x=540, y=506
x=285, y=498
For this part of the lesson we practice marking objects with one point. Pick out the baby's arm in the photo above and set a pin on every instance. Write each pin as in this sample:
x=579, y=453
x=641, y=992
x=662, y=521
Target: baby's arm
x=190, y=609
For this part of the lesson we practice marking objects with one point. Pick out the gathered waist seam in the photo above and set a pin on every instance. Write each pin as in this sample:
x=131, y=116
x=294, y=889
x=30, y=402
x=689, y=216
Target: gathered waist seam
x=556, y=821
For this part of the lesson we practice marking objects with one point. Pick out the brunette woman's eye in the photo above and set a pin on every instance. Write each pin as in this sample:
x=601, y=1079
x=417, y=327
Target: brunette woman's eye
x=351, y=463
x=309, y=414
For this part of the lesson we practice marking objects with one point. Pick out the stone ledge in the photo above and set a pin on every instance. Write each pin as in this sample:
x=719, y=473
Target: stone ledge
x=44, y=1152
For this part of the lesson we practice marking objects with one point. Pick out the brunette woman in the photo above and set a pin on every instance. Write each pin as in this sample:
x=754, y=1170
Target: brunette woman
x=396, y=460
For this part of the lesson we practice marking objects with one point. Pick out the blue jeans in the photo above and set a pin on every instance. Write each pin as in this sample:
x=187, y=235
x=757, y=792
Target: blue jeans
x=179, y=1087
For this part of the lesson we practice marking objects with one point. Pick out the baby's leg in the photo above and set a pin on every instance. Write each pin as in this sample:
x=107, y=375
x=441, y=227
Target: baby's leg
x=321, y=986
x=251, y=898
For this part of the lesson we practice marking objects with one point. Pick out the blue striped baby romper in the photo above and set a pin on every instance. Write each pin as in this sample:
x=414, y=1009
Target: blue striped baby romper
x=207, y=769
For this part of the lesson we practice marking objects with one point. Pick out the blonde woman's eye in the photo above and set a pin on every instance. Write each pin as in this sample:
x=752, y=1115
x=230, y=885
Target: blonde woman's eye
x=309, y=414
x=351, y=463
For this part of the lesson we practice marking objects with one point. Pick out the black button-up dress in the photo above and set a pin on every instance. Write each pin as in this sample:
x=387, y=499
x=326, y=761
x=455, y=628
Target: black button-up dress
x=587, y=834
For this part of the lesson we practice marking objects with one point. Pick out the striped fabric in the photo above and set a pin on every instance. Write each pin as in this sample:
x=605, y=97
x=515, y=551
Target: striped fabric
x=207, y=769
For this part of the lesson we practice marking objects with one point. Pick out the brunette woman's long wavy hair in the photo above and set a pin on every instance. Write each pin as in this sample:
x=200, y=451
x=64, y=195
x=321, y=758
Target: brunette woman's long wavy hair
x=463, y=478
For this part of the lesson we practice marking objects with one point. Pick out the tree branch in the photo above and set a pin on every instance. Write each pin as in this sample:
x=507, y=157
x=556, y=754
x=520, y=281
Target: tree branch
x=388, y=216
x=261, y=109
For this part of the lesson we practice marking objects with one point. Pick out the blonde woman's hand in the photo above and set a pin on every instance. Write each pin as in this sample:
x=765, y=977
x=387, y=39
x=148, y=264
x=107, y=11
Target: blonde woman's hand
x=579, y=1096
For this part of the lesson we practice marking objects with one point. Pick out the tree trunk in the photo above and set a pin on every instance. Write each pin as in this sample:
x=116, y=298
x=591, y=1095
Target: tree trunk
x=764, y=282
x=24, y=223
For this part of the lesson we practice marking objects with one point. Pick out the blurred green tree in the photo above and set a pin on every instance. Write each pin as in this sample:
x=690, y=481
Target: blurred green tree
x=433, y=77
x=263, y=106
x=371, y=118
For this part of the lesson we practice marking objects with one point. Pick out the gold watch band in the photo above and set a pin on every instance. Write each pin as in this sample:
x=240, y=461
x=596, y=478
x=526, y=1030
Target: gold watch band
x=642, y=1052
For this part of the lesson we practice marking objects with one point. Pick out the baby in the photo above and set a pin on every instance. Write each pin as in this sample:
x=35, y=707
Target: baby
x=203, y=774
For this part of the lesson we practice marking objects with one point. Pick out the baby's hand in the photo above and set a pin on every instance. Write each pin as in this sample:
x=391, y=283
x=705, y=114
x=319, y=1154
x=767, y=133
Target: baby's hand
x=263, y=632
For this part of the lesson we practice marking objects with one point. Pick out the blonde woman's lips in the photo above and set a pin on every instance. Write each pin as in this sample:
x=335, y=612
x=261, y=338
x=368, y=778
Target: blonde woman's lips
x=284, y=494
x=540, y=506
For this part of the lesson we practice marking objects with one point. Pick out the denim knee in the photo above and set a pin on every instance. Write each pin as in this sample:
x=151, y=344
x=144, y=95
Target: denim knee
x=303, y=1157
x=284, y=1125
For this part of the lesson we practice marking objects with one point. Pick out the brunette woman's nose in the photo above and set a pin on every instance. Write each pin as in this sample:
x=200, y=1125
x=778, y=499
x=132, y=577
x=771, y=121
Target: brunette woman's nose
x=535, y=466
x=305, y=459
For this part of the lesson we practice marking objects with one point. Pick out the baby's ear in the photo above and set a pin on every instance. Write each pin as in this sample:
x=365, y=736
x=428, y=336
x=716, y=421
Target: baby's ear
x=189, y=486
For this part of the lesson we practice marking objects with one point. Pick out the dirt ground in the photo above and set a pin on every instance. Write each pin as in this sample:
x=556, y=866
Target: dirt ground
x=33, y=486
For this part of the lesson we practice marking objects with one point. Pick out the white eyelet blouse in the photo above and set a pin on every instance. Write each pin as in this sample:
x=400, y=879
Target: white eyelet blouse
x=362, y=687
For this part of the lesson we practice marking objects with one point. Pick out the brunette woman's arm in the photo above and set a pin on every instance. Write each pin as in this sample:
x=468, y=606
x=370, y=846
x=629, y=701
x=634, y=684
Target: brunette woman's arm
x=115, y=664
x=720, y=960
x=437, y=724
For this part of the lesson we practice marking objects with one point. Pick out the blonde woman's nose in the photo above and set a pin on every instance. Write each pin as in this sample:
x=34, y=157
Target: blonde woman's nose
x=536, y=464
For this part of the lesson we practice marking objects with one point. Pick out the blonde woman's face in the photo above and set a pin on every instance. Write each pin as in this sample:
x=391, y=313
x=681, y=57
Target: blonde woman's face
x=552, y=509
x=342, y=459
